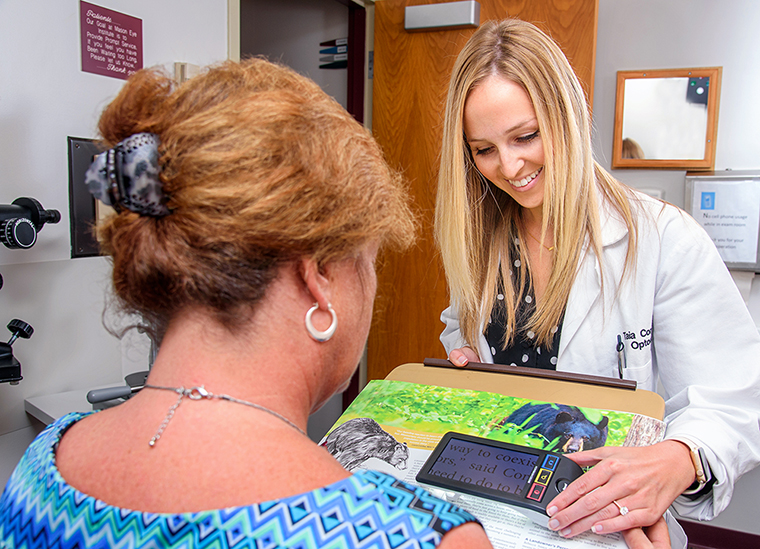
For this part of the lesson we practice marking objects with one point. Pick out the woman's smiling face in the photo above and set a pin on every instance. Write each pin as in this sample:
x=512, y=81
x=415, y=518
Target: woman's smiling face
x=502, y=132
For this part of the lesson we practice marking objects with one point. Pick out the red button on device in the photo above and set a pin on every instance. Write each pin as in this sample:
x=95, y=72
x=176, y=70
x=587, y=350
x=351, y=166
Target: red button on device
x=536, y=492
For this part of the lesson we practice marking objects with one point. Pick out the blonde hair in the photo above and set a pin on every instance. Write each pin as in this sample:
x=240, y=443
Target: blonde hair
x=476, y=222
x=260, y=167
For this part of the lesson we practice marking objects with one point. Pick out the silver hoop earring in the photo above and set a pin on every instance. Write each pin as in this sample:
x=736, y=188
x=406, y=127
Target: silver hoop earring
x=316, y=334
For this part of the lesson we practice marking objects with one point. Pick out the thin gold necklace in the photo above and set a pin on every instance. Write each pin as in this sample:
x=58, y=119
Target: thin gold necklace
x=198, y=393
x=537, y=240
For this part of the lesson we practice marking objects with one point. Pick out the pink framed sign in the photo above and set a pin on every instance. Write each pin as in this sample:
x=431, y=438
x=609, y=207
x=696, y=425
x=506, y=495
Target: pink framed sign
x=111, y=41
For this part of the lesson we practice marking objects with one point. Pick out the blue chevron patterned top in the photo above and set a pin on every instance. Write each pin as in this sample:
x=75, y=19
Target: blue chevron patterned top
x=38, y=509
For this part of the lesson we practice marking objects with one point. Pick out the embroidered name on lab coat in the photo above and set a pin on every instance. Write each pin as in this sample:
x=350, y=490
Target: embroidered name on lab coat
x=645, y=335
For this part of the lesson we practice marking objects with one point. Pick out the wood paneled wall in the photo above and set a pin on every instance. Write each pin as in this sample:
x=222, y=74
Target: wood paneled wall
x=411, y=73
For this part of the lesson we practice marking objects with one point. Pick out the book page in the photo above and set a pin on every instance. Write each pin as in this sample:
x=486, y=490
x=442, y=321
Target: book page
x=505, y=526
x=393, y=426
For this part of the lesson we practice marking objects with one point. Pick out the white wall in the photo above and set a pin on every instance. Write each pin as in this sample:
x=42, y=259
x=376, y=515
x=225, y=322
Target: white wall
x=45, y=97
x=652, y=34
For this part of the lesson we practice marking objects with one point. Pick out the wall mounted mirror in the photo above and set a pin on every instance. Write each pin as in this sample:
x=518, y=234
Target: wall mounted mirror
x=666, y=119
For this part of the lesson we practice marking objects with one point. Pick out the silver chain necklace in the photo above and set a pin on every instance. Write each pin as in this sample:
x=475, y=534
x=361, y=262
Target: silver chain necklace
x=198, y=393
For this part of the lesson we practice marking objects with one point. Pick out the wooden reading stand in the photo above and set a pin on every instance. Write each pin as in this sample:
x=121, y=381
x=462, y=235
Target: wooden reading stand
x=545, y=385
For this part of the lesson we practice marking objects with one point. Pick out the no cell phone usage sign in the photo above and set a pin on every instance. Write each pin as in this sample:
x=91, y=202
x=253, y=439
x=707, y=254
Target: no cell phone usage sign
x=111, y=41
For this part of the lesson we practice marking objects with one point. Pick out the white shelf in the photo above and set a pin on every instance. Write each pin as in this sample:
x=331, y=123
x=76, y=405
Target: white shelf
x=48, y=408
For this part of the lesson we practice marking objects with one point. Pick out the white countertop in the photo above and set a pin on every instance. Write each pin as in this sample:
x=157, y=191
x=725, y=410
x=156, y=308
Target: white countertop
x=48, y=408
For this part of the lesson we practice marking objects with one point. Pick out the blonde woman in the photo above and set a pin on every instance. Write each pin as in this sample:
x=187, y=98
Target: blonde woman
x=552, y=263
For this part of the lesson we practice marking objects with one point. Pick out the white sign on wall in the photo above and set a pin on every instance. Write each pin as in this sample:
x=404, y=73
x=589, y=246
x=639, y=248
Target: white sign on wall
x=730, y=213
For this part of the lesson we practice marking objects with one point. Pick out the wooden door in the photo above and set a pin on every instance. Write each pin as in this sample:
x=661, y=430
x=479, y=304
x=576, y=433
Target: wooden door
x=411, y=73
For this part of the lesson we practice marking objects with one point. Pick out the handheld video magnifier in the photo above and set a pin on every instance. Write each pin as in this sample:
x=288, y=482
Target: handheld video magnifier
x=527, y=478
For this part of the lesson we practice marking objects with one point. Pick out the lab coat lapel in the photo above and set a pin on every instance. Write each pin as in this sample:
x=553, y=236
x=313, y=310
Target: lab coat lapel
x=585, y=291
x=587, y=288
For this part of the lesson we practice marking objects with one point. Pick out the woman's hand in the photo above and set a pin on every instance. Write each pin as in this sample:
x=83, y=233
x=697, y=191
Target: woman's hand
x=463, y=355
x=626, y=488
x=652, y=537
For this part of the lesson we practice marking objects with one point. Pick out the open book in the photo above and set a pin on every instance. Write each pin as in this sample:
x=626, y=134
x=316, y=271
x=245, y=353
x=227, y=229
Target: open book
x=393, y=426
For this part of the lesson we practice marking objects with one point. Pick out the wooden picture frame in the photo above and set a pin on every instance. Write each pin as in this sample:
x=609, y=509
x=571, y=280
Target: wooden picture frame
x=668, y=128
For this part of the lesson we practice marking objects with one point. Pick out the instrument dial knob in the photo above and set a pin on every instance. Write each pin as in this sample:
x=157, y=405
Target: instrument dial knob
x=18, y=233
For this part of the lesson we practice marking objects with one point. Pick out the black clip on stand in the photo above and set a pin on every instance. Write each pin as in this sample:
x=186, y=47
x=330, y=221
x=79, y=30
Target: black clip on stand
x=10, y=368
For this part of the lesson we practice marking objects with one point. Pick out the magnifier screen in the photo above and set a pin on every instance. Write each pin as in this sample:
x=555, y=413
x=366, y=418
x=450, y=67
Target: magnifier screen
x=489, y=467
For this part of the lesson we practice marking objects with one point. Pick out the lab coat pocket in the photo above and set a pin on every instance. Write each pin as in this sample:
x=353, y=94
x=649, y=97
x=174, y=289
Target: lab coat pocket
x=641, y=373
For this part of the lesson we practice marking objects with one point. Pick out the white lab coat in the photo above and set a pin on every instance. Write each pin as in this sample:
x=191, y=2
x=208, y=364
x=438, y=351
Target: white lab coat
x=682, y=319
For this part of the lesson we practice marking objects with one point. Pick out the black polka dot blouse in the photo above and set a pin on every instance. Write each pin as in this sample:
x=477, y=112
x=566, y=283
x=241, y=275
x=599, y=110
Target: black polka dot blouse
x=523, y=350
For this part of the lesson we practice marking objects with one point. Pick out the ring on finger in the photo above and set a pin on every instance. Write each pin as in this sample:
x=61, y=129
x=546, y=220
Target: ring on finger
x=622, y=508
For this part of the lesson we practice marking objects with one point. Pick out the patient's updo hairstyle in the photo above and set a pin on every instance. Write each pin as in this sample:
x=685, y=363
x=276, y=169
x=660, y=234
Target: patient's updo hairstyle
x=260, y=166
